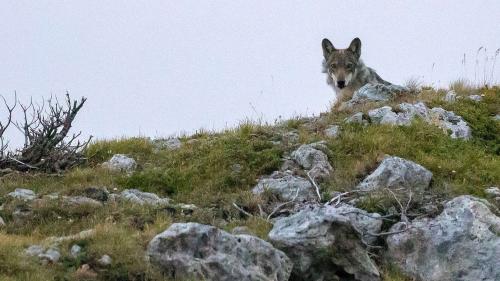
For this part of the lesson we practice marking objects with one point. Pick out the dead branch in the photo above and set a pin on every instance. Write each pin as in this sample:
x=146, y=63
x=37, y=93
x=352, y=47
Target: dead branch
x=314, y=184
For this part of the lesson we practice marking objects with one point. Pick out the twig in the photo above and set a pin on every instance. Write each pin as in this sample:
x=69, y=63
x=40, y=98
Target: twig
x=389, y=232
x=283, y=204
x=22, y=163
x=315, y=185
x=241, y=210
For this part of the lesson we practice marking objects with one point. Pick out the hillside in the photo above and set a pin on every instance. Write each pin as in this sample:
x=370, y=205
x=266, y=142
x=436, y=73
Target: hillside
x=213, y=178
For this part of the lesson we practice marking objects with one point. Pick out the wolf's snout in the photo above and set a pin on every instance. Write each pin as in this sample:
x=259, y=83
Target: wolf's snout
x=341, y=84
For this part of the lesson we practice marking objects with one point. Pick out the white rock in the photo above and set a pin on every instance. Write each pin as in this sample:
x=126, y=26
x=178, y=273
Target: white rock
x=143, y=198
x=105, y=260
x=120, y=162
x=50, y=256
x=23, y=194
x=75, y=251
x=34, y=250
x=332, y=131
x=451, y=96
x=493, y=191
x=475, y=98
x=312, y=159
x=286, y=187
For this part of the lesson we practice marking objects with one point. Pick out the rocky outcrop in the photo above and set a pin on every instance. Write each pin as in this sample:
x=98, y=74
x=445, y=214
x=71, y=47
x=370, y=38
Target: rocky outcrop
x=202, y=252
x=460, y=244
x=120, y=162
x=325, y=243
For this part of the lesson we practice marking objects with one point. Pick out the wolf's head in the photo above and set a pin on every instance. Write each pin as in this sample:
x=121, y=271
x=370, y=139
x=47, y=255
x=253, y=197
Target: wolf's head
x=340, y=64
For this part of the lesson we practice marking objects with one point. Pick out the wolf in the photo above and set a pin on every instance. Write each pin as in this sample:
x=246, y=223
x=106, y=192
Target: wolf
x=345, y=71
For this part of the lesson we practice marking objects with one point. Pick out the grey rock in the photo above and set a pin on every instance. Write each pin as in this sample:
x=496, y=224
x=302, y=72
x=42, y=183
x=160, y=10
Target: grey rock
x=50, y=256
x=312, y=159
x=460, y=244
x=493, y=192
x=375, y=93
x=356, y=118
x=475, y=98
x=286, y=187
x=291, y=137
x=34, y=250
x=75, y=251
x=143, y=198
x=396, y=173
x=383, y=115
x=105, y=260
x=76, y=201
x=332, y=131
x=324, y=244
x=451, y=96
x=203, y=252
x=120, y=162
x=449, y=121
x=170, y=144
x=23, y=194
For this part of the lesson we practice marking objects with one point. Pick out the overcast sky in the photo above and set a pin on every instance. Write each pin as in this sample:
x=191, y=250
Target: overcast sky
x=158, y=68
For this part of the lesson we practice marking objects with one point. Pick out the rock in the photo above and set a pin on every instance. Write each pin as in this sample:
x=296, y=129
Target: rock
x=241, y=230
x=23, y=194
x=332, y=131
x=50, y=256
x=356, y=118
x=286, y=187
x=449, y=121
x=375, y=93
x=202, y=252
x=120, y=162
x=96, y=193
x=84, y=234
x=475, y=98
x=34, y=250
x=75, y=251
x=496, y=117
x=451, y=96
x=312, y=159
x=170, y=143
x=2, y=222
x=77, y=201
x=325, y=244
x=395, y=173
x=462, y=243
x=143, y=198
x=105, y=260
x=384, y=115
x=21, y=214
x=492, y=192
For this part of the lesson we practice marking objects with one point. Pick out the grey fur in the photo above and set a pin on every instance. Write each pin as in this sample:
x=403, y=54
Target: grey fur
x=346, y=65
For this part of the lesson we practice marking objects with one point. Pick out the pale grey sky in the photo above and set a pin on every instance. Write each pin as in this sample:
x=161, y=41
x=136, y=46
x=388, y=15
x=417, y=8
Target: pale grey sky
x=163, y=67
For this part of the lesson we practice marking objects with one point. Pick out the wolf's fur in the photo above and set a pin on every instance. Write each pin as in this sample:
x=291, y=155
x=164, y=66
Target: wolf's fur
x=345, y=71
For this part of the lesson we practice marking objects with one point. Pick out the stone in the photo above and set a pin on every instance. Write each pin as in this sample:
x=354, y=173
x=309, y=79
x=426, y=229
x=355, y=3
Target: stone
x=75, y=251
x=120, y=162
x=34, y=250
x=286, y=187
x=493, y=192
x=23, y=194
x=451, y=96
x=143, y=198
x=50, y=256
x=192, y=251
x=332, y=131
x=312, y=159
x=105, y=260
x=476, y=98
x=397, y=173
x=170, y=144
x=462, y=243
x=384, y=115
x=375, y=93
x=356, y=118
x=77, y=201
x=450, y=122
x=324, y=244
x=291, y=137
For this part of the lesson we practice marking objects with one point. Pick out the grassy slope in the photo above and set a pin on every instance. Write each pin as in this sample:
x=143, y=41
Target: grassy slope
x=203, y=172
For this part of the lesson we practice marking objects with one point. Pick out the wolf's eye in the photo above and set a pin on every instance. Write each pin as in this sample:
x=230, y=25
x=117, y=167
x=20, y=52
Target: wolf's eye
x=350, y=65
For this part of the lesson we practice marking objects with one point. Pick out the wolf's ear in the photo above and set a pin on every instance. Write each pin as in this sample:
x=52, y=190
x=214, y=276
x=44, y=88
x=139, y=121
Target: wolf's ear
x=327, y=48
x=355, y=47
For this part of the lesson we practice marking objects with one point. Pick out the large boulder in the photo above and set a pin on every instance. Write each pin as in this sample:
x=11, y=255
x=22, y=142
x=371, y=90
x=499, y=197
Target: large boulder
x=397, y=173
x=286, y=187
x=460, y=244
x=375, y=93
x=325, y=243
x=313, y=159
x=192, y=251
x=120, y=162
